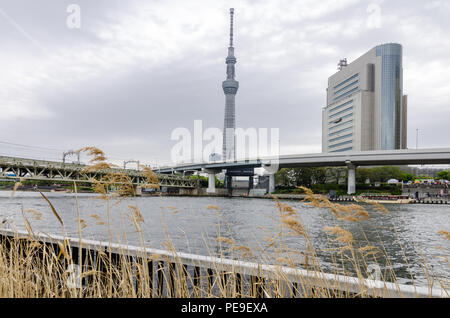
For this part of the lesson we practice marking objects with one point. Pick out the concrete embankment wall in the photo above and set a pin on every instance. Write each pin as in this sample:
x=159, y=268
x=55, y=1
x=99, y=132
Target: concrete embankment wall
x=244, y=193
x=426, y=191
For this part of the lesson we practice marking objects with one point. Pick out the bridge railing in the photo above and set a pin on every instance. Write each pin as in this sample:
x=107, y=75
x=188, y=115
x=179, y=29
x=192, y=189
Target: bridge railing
x=212, y=276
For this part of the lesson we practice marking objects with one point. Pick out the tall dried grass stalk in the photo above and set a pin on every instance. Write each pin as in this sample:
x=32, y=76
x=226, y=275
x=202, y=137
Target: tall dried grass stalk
x=446, y=234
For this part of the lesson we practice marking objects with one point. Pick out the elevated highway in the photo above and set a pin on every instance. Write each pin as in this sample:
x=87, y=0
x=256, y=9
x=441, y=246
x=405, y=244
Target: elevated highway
x=351, y=160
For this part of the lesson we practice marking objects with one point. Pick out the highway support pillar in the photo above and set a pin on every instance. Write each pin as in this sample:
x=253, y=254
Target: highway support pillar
x=211, y=180
x=229, y=184
x=271, y=182
x=211, y=183
x=138, y=190
x=250, y=185
x=351, y=181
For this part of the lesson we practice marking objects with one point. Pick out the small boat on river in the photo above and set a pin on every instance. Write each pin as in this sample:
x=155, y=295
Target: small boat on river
x=384, y=199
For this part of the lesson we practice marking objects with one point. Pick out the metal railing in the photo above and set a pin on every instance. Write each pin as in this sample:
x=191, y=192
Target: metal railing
x=211, y=275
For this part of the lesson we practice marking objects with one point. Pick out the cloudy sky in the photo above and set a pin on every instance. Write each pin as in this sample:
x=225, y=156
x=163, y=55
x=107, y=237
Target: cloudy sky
x=136, y=70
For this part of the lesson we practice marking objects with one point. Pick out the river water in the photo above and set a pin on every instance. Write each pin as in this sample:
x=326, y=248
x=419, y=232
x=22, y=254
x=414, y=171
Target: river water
x=408, y=235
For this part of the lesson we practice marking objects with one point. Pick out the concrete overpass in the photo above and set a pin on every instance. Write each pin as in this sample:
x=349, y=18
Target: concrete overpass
x=349, y=159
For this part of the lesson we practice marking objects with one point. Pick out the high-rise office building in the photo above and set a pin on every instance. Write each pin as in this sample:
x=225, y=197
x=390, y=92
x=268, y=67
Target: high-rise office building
x=366, y=108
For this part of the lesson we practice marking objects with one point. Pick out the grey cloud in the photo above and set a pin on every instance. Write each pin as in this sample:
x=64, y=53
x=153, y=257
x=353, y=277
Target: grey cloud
x=282, y=69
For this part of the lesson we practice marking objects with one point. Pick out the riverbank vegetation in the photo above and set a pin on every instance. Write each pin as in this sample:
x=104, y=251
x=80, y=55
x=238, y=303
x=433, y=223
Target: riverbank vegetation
x=341, y=189
x=203, y=181
x=322, y=180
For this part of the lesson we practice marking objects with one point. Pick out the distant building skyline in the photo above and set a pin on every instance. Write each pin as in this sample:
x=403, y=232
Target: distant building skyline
x=366, y=108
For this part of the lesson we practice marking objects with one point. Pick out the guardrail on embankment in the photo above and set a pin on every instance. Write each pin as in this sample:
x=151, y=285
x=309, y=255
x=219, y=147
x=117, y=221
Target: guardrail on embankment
x=214, y=275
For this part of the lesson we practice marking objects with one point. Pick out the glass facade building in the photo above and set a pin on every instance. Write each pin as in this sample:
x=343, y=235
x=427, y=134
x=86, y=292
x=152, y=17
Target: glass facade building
x=391, y=95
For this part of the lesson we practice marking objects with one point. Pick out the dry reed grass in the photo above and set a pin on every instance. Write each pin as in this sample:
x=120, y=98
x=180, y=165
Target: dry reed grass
x=29, y=268
x=446, y=234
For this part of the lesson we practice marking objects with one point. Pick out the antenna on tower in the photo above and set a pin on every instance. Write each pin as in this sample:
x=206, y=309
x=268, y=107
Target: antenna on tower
x=231, y=26
x=342, y=63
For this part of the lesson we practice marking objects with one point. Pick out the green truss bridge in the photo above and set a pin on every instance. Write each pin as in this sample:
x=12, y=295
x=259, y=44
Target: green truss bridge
x=30, y=169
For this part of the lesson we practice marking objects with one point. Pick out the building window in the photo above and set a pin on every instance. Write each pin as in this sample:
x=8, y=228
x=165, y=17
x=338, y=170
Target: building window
x=341, y=112
x=343, y=149
x=340, y=106
x=346, y=81
x=341, y=124
x=340, y=131
x=340, y=138
x=341, y=144
x=346, y=87
x=342, y=118
x=346, y=94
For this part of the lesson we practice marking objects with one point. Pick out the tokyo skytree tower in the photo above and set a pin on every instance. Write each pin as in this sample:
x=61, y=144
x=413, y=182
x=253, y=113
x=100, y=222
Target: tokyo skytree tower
x=230, y=87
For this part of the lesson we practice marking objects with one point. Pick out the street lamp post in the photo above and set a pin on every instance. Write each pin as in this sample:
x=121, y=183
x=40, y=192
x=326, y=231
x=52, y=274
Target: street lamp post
x=417, y=138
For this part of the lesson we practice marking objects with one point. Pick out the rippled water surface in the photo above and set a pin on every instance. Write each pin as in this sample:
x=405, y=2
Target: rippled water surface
x=409, y=232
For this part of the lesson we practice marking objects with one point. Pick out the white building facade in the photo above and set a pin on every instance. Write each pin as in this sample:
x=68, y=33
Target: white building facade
x=366, y=109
